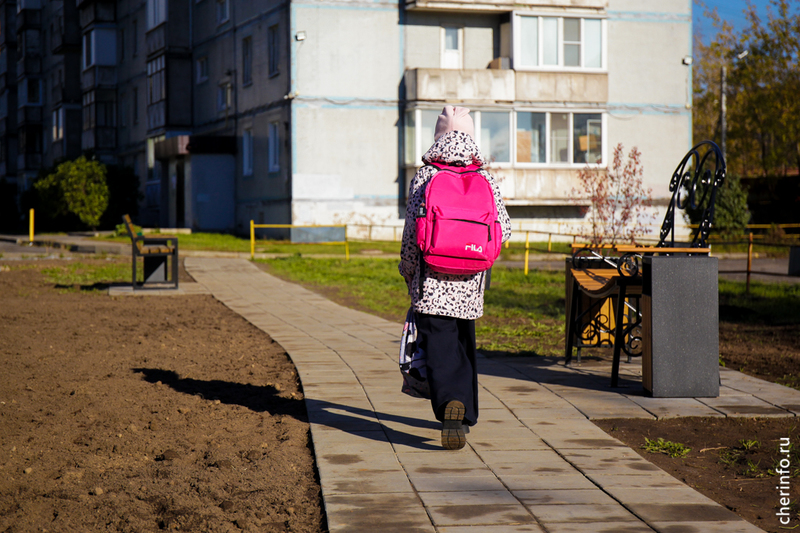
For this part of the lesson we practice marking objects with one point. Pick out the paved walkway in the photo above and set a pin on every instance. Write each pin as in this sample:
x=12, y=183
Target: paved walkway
x=534, y=463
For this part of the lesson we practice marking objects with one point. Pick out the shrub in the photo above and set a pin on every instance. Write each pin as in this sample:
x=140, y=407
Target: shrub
x=78, y=187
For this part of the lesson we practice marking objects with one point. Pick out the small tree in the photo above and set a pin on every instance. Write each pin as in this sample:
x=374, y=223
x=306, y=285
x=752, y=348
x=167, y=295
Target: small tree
x=731, y=214
x=618, y=200
x=78, y=187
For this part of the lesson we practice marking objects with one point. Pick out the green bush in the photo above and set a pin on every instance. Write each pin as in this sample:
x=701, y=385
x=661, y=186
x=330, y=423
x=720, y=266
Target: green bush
x=78, y=187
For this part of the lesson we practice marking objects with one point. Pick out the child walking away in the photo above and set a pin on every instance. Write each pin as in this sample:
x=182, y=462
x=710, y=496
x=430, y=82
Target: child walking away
x=447, y=204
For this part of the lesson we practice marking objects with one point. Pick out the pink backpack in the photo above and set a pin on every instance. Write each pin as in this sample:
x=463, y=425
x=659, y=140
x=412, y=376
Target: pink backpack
x=457, y=227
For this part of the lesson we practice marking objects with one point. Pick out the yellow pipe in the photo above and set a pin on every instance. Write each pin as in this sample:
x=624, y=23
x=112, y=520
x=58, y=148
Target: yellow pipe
x=30, y=229
x=527, y=251
x=549, y=242
x=252, y=240
x=346, y=246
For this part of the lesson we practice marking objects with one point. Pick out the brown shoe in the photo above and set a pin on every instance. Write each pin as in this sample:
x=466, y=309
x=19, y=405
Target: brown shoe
x=452, y=426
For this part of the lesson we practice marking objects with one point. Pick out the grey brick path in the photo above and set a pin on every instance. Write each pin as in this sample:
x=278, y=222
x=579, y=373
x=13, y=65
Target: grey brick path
x=534, y=463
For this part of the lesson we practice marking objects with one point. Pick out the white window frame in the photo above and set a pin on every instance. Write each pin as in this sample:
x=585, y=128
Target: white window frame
x=87, y=51
x=156, y=13
x=223, y=14
x=247, y=152
x=570, y=136
x=273, y=147
x=443, y=50
x=224, y=96
x=58, y=124
x=201, y=65
x=419, y=150
x=517, y=40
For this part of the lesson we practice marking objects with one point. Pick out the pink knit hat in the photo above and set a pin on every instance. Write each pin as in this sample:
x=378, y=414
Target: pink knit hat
x=454, y=119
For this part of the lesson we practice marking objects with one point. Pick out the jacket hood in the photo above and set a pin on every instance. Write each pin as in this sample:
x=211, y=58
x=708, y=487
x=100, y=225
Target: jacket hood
x=454, y=147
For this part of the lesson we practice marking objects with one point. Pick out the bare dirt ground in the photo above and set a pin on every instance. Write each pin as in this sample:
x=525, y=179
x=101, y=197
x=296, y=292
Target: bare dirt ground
x=140, y=414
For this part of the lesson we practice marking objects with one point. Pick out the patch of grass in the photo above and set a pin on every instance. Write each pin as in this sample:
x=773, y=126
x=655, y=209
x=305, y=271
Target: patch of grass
x=83, y=276
x=231, y=243
x=672, y=449
x=771, y=303
x=749, y=444
x=522, y=315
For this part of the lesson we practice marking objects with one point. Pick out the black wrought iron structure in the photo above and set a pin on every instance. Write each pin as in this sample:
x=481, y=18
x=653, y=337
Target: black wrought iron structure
x=697, y=175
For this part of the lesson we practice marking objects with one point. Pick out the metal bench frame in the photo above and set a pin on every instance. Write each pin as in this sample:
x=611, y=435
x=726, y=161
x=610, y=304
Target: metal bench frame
x=592, y=277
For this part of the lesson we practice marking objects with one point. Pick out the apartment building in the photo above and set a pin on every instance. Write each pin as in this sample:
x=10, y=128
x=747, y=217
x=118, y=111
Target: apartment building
x=318, y=112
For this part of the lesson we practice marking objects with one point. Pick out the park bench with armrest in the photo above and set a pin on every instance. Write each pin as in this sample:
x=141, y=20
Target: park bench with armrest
x=605, y=284
x=156, y=252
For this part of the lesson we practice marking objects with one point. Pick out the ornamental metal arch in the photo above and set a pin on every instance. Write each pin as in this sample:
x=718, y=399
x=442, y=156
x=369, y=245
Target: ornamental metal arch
x=697, y=175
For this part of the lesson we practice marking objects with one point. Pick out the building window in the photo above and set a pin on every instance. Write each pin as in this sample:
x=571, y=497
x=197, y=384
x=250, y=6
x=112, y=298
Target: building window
x=58, y=124
x=88, y=111
x=223, y=11
x=135, y=106
x=202, y=69
x=224, y=94
x=531, y=137
x=542, y=137
x=247, y=60
x=135, y=31
x=452, y=47
x=156, y=80
x=156, y=13
x=123, y=110
x=33, y=91
x=494, y=134
x=247, y=152
x=274, y=49
x=558, y=42
x=88, y=52
x=273, y=147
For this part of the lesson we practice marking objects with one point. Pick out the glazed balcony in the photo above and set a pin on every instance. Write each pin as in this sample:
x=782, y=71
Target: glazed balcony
x=500, y=5
x=66, y=38
x=29, y=65
x=29, y=162
x=29, y=19
x=488, y=85
x=8, y=23
x=92, y=12
x=498, y=85
x=94, y=77
x=29, y=115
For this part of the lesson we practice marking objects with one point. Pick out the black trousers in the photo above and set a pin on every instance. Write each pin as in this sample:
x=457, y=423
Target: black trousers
x=450, y=347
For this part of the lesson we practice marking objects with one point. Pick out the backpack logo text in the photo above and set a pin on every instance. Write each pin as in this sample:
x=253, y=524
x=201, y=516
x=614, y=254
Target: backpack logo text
x=473, y=248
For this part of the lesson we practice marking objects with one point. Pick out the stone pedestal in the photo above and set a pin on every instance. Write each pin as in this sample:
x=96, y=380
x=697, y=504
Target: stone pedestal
x=680, y=326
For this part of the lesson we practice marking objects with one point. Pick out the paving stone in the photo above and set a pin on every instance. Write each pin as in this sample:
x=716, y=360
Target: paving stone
x=675, y=407
x=669, y=495
x=480, y=514
x=570, y=481
x=600, y=527
x=469, y=483
x=547, y=514
x=634, y=480
x=732, y=526
x=552, y=496
x=681, y=512
x=744, y=406
x=485, y=497
x=368, y=513
x=518, y=528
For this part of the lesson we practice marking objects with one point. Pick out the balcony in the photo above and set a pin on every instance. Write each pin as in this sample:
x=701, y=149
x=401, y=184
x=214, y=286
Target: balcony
x=156, y=39
x=93, y=12
x=488, y=85
x=157, y=115
x=65, y=39
x=99, y=138
x=29, y=65
x=8, y=23
x=573, y=87
x=29, y=19
x=29, y=115
x=7, y=127
x=495, y=6
x=95, y=77
x=29, y=162
x=57, y=94
x=495, y=85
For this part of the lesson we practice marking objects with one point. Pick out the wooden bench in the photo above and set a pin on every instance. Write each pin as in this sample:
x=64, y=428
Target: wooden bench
x=604, y=282
x=156, y=253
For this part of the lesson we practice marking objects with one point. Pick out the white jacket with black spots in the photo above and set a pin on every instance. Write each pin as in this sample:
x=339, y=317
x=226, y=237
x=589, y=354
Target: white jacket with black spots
x=458, y=296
